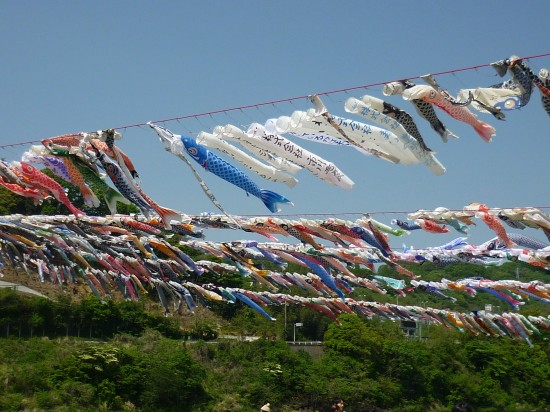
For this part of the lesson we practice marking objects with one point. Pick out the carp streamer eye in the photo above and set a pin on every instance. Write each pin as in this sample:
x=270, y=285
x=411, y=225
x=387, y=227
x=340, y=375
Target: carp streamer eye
x=510, y=104
x=193, y=151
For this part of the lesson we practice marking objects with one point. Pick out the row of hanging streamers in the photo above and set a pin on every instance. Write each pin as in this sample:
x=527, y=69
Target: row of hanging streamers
x=518, y=66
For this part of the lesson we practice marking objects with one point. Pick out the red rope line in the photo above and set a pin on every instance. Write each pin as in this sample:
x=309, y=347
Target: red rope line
x=273, y=102
x=4, y=146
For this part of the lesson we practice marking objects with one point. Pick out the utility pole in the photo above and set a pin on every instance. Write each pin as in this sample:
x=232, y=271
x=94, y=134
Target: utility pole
x=286, y=304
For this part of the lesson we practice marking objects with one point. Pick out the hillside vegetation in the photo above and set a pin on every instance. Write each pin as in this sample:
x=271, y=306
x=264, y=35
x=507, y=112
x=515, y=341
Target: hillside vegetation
x=73, y=351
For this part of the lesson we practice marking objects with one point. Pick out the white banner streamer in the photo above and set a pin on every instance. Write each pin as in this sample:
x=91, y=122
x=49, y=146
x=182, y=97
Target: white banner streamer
x=276, y=161
x=281, y=146
x=263, y=170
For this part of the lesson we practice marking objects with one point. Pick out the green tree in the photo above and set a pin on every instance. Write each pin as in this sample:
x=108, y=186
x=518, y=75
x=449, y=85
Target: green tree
x=352, y=338
x=10, y=309
x=172, y=379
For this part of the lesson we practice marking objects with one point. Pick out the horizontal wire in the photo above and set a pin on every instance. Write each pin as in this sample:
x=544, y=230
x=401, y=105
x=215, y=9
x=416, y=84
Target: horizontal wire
x=290, y=99
x=402, y=212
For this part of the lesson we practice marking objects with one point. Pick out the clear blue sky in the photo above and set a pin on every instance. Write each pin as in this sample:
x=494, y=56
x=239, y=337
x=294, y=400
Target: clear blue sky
x=71, y=66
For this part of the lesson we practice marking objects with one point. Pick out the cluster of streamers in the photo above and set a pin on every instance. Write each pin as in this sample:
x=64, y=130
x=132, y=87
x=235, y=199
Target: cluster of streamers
x=479, y=322
x=392, y=143
x=26, y=180
x=274, y=157
x=131, y=255
x=214, y=164
x=396, y=139
x=265, y=149
x=494, y=218
x=509, y=95
x=512, y=292
x=119, y=253
x=83, y=160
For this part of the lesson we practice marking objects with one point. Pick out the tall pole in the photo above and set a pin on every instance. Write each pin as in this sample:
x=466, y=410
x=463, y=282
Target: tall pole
x=286, y=304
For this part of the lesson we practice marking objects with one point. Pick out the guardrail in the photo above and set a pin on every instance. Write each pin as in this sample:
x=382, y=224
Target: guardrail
x=21, y=288
x=305, y=343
